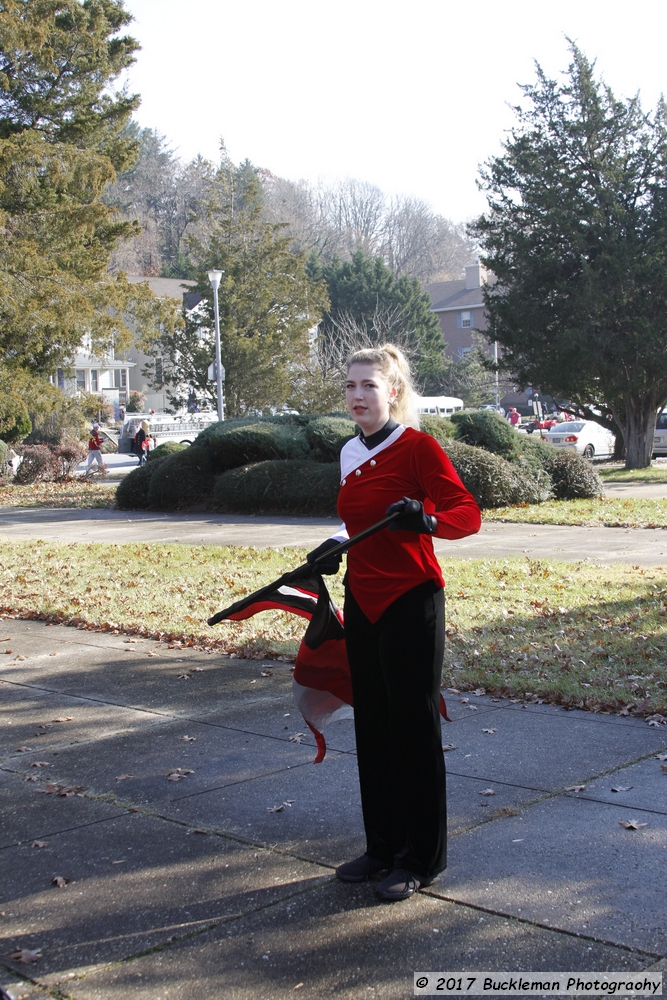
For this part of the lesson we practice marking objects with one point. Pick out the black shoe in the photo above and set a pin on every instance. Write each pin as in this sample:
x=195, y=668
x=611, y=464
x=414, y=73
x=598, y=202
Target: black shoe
x=360, y=870
x=400, y=884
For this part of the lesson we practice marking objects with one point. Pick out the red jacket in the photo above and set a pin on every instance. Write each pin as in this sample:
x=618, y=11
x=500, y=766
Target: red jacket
x=411, y=464
x=95, y=442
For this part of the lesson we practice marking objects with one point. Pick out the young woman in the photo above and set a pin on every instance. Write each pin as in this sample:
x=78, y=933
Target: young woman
x=395, y=621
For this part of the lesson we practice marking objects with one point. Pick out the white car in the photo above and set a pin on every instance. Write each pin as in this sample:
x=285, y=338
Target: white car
x=660, y=438
x=585, y=437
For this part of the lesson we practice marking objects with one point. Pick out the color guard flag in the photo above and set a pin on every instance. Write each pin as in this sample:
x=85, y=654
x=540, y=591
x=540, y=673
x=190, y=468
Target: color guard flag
x=321, y=683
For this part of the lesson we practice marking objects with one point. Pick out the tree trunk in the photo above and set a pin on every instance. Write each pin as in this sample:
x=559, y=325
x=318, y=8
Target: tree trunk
x=640, y=418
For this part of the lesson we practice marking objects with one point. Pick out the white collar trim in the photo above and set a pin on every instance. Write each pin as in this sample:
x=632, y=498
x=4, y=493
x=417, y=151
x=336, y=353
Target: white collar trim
x=356, y=454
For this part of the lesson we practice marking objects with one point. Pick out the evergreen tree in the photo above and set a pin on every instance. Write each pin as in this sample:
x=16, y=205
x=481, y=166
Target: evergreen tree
x=61, y=140
x=576, y=234
x=366, y=295
x=268, y=304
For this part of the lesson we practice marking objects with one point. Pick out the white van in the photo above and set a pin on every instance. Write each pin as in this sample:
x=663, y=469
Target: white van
x=438, y=406
x=165, y=427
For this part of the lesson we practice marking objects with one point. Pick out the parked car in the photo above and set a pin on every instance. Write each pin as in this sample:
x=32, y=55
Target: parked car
x=660, y=439
x=585, y=437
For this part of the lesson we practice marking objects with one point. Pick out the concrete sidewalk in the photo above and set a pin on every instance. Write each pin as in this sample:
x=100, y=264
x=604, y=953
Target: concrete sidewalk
x=198, y=889
x=640, y=546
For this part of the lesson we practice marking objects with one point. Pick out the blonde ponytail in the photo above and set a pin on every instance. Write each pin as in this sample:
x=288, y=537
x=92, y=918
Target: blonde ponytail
x=394, y=367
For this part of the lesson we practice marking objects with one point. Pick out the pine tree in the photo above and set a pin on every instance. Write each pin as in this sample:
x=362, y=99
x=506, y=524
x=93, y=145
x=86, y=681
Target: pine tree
x=62, y=139
x=576, y=234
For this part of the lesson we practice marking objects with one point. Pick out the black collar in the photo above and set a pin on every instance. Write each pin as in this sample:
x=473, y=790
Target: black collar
x=373, y=440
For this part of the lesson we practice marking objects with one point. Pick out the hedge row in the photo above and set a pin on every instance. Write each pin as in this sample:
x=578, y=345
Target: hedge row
x=289, y=464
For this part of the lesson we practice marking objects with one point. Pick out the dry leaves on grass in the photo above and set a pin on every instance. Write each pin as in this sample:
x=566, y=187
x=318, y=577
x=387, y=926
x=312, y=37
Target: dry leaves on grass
x=632, y=824
x=25, y=956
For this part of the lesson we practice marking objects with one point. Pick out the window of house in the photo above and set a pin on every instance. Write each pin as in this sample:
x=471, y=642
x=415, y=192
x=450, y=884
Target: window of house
x=120, y=378
x=80, y=380
x=463, y=351
x=60, y=377
x=158, y=370
x=465, y=319
x=94, y=381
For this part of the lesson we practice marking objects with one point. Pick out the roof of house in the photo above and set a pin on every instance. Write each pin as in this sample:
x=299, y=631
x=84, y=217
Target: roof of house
x=454, y=295
x=171, y=287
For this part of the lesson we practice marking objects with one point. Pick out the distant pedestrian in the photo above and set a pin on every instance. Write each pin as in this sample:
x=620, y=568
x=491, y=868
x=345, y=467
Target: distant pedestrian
x=514, y=416
x=95, y=443
x=140, y=441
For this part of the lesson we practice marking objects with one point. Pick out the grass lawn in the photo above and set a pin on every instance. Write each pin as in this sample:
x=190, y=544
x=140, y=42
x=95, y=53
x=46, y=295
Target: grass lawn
x=610, y=512
x=75, y=493
x=587, y=636
x=617, y=473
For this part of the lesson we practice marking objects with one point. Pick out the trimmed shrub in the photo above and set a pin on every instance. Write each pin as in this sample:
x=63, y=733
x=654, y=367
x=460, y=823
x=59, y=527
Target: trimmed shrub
x=533, y=452
x=164, y=450
x=573, y=476
x=230, y=447
x=441, y=428
x=65, y=459
x=181, y=480
x=486, y=429
x=37, y=464
x=132, y=491
x=282, y=487
x=327, y=435
x=494, y=482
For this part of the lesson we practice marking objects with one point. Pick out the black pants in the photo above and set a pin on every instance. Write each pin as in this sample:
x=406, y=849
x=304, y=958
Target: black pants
x=396, y=667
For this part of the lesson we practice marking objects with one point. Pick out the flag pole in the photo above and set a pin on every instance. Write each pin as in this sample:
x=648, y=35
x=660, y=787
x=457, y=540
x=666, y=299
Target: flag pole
x=309, y=567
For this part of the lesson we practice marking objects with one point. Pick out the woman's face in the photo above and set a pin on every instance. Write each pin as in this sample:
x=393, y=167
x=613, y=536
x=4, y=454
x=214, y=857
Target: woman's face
x=368, y=396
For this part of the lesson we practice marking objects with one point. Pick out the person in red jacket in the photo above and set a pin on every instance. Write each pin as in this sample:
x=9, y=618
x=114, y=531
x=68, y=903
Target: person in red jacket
x=95, y=443
x=395, y=620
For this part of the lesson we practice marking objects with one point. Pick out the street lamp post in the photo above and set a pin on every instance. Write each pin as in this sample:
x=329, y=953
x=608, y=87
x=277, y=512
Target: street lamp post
x=214, y=277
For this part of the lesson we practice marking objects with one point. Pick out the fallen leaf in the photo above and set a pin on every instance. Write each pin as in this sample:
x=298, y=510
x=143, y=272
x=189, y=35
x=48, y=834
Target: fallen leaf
x=453, y=691
x=204, y=833
x=297, y=738
x=478, y=692
x=60, y=882
x=123, y=777
x=188, y=739
x=632, y=824
x=448, y=746
x=653, y=722
x=49, y=788
x=25, y=956
x=297, y=987
x=30, y=777
x=7, y=638
x=66, y=793
x=660, y=720
x=661, y=756
x=40, y=763
x=184, y=677
x=178, y=773
x=8, y=651
x=197, y=670
x=574, y=788
x=23, y=750
x=473, y=708
x=21, y=657
x=275, y=809
x=487, y=791
x=663, y=767
x=622, y=788
x=151, y=653
x=65, y=718
x=489, y=730
x=289, y=803
x=38, y=843
x=464, y=701
x=267, y=673
x=53, y=654
x=518, y=840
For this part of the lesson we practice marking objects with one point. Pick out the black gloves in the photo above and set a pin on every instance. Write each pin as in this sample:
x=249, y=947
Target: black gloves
x=413, y=517
x=327, y=566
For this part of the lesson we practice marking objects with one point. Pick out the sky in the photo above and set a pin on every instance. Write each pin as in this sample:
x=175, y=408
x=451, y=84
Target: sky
x=410, y=96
